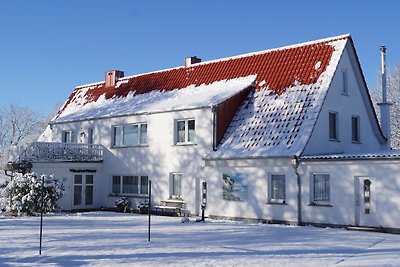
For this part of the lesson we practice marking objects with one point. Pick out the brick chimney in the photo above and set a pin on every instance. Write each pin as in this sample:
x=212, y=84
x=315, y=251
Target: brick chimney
x=191, y=60
x=112, y=77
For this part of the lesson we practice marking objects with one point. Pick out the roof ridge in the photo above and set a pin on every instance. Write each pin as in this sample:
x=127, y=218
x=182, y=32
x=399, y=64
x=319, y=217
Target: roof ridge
x=323, y=40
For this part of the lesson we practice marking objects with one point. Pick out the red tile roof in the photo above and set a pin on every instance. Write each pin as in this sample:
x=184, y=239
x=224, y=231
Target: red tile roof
x=279, y=68
x=276, y=119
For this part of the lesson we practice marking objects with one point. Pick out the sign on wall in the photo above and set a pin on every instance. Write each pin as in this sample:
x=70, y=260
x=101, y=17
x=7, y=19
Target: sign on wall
x=234, y=187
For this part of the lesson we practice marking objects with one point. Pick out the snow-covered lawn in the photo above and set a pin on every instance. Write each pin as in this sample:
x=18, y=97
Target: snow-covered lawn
x=115, y=239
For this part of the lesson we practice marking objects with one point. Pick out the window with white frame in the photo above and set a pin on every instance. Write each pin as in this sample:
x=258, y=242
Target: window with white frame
x=345, y=88
x=130, y=135
x=68, y=136
x=185, y=131
x=277, y=188
x=175, y=185
x=333, y=126
x=355, y=129
x=321, y=189
x=130, y=185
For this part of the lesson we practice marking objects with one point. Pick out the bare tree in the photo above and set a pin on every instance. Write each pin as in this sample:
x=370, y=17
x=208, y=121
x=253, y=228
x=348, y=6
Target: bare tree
x=393, y=87
x=19, y=125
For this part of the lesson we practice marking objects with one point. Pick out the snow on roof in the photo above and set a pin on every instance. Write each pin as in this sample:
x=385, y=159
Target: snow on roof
x=154, y=101
x=272, y=123
x=392, y=154
x=276, y=119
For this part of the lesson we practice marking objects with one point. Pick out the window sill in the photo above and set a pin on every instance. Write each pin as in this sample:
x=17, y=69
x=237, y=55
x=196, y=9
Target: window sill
x=334, y=140
x=185, y=144
x=276, y=203
x=356, y=142
x=129, y=195
x=320, y=205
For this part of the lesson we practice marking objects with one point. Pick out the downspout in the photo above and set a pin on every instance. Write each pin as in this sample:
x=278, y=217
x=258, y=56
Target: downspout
x=295, y=165
x=214, y=128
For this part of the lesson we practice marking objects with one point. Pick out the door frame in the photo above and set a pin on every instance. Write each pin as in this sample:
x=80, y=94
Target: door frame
x=84, y=189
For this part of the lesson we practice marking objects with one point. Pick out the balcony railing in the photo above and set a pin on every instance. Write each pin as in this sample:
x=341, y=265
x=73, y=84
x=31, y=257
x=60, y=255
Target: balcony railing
x=53, y=152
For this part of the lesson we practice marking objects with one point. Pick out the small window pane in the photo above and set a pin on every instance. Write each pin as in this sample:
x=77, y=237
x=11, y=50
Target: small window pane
x=144, y=185
x=77, y=195
x=116, y=186
x=344, y=81
x=135, y=186
x=180, y=131
x=191, y=128
x=143, y=134
x=321, y=188
x=130, y=135
x=127, y=185
x=333, y=135
x=89, y=179
x=117, y=136
x=355, y=129
x=90, y=136
x=176, y=184
x=278, y=187
x=78, y=179
x=89, y=195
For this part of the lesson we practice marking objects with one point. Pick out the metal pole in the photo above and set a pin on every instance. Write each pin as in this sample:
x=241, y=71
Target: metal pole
x=41, y=217
x=149, y=209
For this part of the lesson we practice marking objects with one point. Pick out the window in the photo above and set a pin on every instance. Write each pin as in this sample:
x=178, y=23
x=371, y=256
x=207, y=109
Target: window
x=68, y=137
x=130, y=135
x=90, y=136
x=321, y=189
x=345, y=89
x=176, y=185
x=277, y=188
x=355, y=129
x=130, y=184
x=333, y=126
x=185, y=131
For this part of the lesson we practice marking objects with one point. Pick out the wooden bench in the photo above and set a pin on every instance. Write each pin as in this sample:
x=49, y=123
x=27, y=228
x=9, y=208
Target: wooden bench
x=172, y=205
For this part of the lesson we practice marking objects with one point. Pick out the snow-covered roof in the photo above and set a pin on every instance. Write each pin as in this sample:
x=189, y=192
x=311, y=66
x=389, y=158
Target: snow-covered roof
x=391, y=154
x=189, y=97
x=278, y=120
x=290, y=84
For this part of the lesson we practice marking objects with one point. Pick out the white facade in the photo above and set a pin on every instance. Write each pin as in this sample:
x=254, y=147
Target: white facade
x=263, y=169
x=158, y=159
x=347, y=97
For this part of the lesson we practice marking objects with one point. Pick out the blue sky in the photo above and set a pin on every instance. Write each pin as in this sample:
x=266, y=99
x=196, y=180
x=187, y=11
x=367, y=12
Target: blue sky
x=48, y=47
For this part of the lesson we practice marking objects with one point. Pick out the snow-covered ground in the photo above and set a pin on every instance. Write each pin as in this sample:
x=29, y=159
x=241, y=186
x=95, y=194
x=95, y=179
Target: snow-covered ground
x=114, y=239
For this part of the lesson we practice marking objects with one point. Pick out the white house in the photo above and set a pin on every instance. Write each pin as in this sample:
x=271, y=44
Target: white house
x=283, y=135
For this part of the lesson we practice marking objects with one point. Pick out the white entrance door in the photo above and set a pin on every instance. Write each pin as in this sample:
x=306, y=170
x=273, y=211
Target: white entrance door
x=365, y=203
x=83, y=191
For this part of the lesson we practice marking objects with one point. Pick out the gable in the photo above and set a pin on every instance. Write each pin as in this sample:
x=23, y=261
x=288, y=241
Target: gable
x=279, y=124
